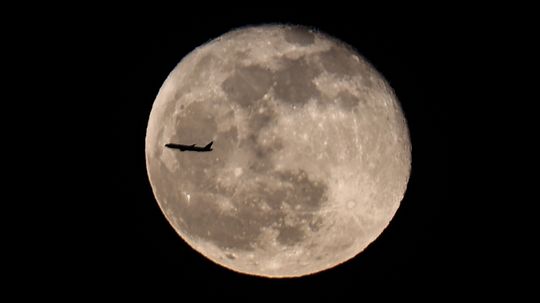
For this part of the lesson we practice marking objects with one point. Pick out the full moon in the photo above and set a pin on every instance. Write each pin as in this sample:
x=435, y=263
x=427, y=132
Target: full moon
x=311, y=153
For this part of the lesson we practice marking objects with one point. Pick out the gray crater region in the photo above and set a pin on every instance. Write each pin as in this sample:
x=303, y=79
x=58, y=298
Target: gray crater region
x=311, y=151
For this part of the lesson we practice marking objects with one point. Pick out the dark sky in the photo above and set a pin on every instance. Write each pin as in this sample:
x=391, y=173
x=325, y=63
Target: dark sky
x=121, y=234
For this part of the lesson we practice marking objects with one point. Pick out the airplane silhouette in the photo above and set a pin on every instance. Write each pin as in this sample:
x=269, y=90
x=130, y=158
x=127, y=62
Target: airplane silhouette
x=191, y=147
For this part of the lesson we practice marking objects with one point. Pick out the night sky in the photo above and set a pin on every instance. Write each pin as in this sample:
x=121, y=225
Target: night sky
x=120, y=234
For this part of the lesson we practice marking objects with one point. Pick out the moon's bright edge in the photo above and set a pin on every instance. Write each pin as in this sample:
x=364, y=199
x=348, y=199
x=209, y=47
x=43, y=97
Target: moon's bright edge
x=311, y=151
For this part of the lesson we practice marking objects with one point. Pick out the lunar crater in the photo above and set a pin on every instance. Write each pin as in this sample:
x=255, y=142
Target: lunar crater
x=340, y=61
x=294, y=82
x=298, y=35
x=248, y=84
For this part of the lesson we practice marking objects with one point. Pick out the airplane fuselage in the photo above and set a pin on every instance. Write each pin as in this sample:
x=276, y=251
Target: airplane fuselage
x=192, y=147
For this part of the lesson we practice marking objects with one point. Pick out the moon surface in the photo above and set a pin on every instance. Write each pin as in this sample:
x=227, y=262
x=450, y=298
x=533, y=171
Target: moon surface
x=311, y=154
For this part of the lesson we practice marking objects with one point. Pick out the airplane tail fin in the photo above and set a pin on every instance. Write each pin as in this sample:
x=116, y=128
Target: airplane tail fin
x=209, y=145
